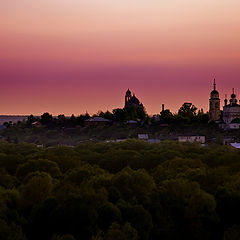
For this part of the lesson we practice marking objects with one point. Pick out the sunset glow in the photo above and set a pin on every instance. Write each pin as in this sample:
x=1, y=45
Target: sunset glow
x=69, y=56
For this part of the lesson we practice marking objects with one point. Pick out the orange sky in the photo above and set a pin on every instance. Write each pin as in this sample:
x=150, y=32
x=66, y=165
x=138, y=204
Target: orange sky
x=69, y=56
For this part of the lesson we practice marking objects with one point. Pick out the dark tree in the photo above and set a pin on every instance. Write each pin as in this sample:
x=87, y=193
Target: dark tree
x=166, y=115
x=187, y=110
x=46, y=119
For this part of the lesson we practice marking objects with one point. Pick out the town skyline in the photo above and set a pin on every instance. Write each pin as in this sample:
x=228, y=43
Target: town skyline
x=214, y=83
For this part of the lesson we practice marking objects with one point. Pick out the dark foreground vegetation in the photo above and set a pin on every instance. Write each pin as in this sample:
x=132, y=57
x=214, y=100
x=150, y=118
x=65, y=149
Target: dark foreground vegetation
x=124, y=191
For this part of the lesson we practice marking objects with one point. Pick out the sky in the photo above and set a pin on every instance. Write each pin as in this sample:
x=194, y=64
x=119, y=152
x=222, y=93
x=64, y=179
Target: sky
x=71, y=56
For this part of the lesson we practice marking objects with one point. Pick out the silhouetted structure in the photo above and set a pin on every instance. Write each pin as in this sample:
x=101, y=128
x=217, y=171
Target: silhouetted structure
x=132, y=100
x=96, y=121
x=214, y=104
x=231, y=110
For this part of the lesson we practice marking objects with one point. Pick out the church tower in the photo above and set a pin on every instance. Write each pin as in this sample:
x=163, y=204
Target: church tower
x=233, y=99
x=128, y=97
x=214, y=104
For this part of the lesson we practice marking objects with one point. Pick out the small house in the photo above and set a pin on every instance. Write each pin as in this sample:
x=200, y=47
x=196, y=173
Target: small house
x=192, y=139
x=131, y=122
x=234, y=125
x=143, y=137
x=235, y=145
x=37, y=124
x=94, y=121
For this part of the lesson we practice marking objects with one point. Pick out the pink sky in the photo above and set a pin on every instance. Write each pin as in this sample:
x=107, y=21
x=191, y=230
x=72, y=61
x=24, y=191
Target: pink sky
x=69, y=56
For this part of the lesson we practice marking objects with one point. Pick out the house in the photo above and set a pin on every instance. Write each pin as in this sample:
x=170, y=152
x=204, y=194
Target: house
x=235, y=145
x=120, y=140
x=40, y=146
x=230, y=126
x=143, y=137
x=192, y=138
x=131, y=122
x=37, y=124
x=94, y=121
x=234, y=125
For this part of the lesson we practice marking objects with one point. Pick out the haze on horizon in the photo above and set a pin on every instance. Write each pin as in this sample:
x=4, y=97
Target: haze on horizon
x=70, y=56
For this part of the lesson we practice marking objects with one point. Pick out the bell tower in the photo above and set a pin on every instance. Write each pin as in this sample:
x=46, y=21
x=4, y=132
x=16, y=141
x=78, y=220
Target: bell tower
x=214, y=104
x=127, y=97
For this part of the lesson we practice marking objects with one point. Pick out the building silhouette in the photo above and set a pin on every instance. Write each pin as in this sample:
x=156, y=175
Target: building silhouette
x=131, y=100
x=231, y=109
x=214, y=104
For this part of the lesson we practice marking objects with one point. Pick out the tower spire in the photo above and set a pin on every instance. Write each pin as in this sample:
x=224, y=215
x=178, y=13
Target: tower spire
x=214, y=104
x=233, y=90
x=225, y=100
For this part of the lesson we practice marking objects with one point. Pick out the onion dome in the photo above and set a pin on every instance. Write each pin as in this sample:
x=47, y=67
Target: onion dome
x=214, y=92
x=233, y=94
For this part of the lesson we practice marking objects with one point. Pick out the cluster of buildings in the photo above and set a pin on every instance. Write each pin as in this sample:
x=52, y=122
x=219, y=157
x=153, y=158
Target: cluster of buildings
x=229, y=117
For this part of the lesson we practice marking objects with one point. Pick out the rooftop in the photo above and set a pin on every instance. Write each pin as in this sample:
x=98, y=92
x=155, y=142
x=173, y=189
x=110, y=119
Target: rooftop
x=97, y=119
x=235, y=145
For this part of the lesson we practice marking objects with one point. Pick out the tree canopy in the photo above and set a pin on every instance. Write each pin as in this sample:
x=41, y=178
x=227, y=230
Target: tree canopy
x=127, y=190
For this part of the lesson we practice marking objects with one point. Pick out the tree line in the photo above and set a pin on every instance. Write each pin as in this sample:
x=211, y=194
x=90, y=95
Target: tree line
x=187, y=113
x=128, y=190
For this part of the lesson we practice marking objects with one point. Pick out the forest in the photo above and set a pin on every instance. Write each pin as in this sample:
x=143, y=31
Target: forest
x=119, y=191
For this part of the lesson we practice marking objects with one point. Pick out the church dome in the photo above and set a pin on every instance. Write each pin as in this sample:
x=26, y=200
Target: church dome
x=233, y=95
x=214, y=92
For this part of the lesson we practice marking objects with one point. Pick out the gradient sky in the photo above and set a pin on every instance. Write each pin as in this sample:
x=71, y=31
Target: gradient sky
x=73, y=56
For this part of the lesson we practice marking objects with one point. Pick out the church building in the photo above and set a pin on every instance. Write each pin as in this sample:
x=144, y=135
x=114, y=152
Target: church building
x=132, y=100
x=231, y=109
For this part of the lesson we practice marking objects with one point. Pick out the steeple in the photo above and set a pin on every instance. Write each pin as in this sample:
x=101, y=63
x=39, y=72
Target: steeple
x=214, y=93
x=128, y=91
x=128, y=96
x=233, y=94
x=226, y=101
x=233, y=97
x=214, y=104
